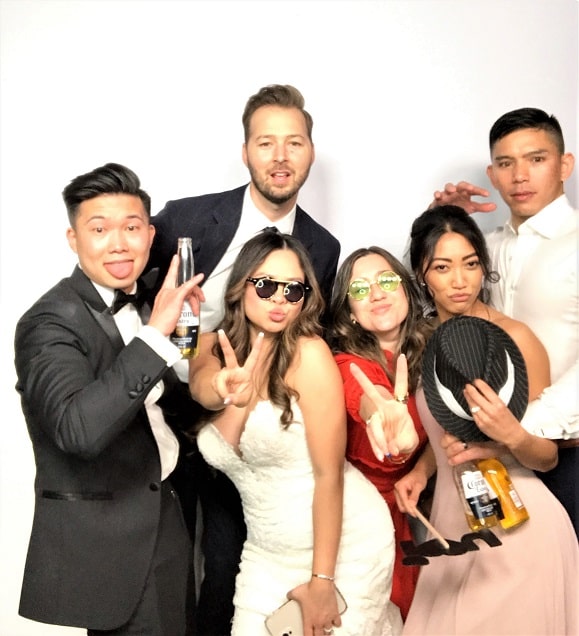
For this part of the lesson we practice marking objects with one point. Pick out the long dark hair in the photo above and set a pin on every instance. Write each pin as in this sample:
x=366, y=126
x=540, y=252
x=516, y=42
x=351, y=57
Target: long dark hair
x=349, y=337
x=284, y=345
x=427, y=230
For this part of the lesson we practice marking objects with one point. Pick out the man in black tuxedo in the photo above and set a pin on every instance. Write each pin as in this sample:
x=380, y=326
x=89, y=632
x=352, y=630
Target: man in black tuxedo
x=278, y=152
x=109, y=550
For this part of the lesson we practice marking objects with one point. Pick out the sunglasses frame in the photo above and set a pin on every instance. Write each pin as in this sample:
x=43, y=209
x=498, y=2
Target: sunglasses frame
x=395, y=278
x=258, y=284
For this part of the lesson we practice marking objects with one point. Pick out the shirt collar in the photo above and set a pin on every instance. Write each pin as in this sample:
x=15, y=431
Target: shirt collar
x=546, y=222
x=285, y=224
x=107, y=293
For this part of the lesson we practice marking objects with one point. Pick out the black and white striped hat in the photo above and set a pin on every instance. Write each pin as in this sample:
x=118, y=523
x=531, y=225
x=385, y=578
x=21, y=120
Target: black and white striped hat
x=461, y=350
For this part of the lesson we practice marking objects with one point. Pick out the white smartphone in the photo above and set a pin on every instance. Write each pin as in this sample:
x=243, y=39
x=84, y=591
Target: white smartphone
x=287, y=619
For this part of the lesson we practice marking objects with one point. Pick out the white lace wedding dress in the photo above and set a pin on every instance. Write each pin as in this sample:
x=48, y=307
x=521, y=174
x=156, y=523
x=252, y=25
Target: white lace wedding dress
x=274, y=477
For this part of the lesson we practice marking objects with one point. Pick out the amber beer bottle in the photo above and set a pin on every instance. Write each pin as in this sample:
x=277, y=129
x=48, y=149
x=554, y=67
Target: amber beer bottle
x=498, y=478
x=473, y=491
x=186, y=333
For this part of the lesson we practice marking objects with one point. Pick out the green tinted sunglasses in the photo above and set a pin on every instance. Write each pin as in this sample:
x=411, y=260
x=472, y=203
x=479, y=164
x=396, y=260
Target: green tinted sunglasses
x=359, y=288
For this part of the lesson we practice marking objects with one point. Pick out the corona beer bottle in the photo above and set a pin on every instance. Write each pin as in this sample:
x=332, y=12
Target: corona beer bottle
x=187, y=331
x=498, y=478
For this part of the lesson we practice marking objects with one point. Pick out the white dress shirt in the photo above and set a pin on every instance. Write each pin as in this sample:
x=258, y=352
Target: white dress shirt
x=130, y=326
x=251, y=223
x=539, y=286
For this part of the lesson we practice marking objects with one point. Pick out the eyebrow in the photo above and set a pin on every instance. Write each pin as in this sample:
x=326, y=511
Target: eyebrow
x=127, y=219
x=539, y=151
x=292, y=279
x=290, y=136
x=464, y=258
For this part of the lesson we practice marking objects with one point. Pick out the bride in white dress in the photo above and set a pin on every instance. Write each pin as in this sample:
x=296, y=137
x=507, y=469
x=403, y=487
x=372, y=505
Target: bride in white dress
x=278, y=431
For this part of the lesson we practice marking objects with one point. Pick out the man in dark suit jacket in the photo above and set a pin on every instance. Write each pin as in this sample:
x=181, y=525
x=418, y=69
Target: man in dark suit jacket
x=278, y=152
x=108, y=550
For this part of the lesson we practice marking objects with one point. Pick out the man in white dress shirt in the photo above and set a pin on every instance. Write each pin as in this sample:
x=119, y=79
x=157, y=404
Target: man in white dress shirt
x=535, y=253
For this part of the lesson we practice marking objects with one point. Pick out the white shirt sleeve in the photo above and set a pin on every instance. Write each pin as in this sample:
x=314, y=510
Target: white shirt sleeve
x=160, y=344
x=555, y=413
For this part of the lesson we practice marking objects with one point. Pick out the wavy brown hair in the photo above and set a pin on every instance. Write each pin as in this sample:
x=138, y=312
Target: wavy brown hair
x=285, y=344
x=346, y=336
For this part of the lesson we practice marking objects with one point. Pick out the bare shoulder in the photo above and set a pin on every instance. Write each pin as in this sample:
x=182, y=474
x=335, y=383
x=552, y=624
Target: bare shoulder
x=533, y=351
x=313, y=346
x=314, y=359
x=523, y=336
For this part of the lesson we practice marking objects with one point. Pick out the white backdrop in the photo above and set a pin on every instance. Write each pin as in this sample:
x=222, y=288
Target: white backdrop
x=403, y=93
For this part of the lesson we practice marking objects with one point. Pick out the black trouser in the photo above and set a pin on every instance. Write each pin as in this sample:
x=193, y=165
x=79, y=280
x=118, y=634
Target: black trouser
x=185, y=480
x=222, y=539
x=224, y=533
x=563, y=482
x=162, y=610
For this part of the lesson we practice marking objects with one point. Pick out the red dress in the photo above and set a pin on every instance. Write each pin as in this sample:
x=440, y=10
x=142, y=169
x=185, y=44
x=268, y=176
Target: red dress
x=382, y=474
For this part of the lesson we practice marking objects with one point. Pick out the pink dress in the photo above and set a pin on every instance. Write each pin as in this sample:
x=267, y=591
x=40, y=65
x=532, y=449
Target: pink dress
x=527, y=586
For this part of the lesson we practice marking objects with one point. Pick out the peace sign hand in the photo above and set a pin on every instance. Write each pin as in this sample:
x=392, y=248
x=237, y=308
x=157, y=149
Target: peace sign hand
x=390, y=428
x=235, y=383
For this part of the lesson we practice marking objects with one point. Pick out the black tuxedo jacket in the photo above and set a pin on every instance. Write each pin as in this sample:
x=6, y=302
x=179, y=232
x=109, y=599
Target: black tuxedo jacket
x=98, y=471
x=211, y=221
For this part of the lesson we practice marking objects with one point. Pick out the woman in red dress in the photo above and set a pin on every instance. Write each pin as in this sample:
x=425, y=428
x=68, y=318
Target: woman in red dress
x=376, y=316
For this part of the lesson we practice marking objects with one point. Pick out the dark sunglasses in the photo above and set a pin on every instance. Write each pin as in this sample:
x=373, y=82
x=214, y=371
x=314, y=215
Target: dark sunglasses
x=359, y=288
x=265, y=288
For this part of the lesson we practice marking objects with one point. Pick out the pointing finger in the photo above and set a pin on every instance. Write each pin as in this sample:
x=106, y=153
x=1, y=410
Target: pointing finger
x=228, y=352
x=401, y=379
x=170, y=281
x=253, y=356
x=365, y=384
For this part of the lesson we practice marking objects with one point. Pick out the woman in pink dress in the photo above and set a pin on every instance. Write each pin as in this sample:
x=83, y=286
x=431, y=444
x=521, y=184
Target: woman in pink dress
x=529, y=584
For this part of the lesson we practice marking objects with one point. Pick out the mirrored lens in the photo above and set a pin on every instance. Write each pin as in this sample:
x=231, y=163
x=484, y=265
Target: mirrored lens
x=388, y=281
x=359, y=288
x=293, y=292
x=265, y=288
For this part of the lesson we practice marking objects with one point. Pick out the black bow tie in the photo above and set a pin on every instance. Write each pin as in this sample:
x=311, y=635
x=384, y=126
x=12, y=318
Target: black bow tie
x=140, y=300
x=121, y=299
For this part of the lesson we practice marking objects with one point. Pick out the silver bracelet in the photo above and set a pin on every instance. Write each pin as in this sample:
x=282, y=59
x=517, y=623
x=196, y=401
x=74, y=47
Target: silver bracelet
x=324, y=576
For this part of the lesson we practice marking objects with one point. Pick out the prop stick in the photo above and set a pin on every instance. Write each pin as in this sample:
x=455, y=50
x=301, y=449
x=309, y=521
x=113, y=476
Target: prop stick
x=432, y=529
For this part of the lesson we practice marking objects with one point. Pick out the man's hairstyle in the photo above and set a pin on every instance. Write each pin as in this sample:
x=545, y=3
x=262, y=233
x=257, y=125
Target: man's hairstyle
x=527, y=118
x=112, y=178
x=282, y=95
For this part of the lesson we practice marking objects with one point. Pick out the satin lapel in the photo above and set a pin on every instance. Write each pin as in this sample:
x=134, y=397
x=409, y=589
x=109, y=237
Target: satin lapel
x=96, y=306
x=107, y=323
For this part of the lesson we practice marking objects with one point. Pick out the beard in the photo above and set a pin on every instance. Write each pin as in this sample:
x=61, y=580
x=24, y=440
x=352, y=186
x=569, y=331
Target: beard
x=277, y=195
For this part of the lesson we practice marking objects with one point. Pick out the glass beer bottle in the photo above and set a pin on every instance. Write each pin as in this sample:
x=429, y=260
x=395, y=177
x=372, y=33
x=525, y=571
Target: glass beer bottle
x=473, y=491
x=498, y=478
x=187, y=331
